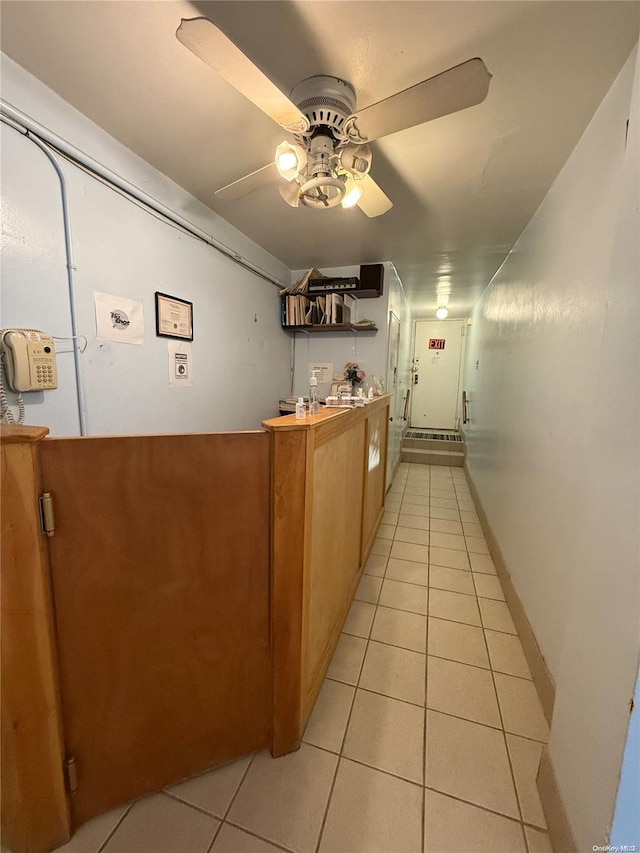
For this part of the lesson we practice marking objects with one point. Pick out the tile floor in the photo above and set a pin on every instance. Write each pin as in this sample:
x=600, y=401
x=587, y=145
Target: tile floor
x=427, y=732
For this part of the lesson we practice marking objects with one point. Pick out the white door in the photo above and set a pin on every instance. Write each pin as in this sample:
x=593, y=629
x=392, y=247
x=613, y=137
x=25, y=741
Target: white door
x=436, y=373
x=393, y=387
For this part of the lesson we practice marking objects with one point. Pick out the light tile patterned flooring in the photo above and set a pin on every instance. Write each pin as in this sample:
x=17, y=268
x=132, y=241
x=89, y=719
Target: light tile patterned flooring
x=427, y=732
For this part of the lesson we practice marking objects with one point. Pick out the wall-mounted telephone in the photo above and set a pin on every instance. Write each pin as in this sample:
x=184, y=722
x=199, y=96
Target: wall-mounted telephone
x=29, y=359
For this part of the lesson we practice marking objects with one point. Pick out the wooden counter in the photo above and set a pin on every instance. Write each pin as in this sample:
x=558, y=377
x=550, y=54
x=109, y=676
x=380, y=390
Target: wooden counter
x=35, y=810
x=180, y=615
x=327, y=500
x=135, y=638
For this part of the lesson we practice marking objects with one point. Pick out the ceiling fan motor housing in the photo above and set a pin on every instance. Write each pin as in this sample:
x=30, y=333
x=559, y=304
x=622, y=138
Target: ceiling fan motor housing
x=327, y=102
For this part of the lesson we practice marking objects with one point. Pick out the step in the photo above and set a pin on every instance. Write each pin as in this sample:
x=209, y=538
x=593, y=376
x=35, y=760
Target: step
x=434, y=444
x=433, y=457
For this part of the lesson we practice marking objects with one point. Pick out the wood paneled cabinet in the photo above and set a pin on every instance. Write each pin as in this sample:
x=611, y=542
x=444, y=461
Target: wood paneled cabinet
x=183, y=614
x=327, y=501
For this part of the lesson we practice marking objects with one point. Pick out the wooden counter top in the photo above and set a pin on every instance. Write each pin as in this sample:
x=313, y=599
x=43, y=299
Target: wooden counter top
x=21, y=433
x=326, y=413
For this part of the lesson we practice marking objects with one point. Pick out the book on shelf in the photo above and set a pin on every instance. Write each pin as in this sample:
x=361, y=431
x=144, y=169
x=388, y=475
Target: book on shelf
x=331, y=309
x=350, y=308
x=337, y=309
x=297, y=310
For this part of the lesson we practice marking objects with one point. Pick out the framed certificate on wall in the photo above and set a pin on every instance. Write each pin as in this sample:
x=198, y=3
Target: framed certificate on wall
x=174, y=317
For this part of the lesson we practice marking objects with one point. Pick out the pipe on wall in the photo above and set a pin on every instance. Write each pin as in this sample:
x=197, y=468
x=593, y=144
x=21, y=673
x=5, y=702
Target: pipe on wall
x=68, y=247
x=33, y=129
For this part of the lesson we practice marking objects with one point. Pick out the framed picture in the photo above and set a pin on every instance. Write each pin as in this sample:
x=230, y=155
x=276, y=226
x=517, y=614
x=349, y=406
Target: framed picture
x=174, y=317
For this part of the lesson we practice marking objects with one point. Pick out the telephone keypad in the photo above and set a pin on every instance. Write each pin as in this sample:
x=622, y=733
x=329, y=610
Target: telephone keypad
x=44, y=375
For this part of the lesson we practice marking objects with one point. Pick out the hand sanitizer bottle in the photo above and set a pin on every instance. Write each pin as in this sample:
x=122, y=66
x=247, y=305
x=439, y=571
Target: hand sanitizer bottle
x=300, y=410
x=314, y=405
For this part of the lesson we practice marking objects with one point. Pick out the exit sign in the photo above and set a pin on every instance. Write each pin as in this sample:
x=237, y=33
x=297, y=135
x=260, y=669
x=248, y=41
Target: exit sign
x=436, y=343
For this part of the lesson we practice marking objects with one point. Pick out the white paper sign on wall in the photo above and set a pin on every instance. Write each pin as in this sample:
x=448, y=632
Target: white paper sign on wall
x=180, y=364
x=119, y=319
x=323, y=371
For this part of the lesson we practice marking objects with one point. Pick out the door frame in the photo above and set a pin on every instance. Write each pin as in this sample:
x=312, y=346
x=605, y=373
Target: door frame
x=395, y=408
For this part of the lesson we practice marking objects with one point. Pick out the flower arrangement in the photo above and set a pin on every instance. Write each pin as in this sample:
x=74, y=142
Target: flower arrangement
x=353, y=373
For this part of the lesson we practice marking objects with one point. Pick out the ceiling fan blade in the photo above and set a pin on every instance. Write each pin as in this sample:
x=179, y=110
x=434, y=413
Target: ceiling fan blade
x=456, y=89
x=254, y=181
x=373, y=201
x=212, y=46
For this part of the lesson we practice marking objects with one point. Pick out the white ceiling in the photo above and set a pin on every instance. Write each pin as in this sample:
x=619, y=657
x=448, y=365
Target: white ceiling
x=463, y=186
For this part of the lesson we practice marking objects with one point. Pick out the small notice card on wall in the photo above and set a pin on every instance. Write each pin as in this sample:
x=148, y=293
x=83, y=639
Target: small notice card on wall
x=119, y=319
x=180, y=364
x=323, y=371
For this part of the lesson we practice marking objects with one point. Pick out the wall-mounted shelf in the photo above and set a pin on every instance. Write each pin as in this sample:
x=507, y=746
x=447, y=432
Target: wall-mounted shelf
x=332, y=327
x=319, y=313
x=329, y=310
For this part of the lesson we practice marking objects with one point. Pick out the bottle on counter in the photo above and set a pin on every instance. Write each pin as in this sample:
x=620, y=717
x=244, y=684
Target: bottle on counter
x=314, y=405
x=300, y=409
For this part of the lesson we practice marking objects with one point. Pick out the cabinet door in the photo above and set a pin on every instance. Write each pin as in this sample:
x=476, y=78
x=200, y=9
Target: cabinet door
x=160, y=570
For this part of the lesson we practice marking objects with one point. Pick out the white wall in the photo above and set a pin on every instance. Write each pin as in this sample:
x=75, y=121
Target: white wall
x=553, y=445
x=241, y=366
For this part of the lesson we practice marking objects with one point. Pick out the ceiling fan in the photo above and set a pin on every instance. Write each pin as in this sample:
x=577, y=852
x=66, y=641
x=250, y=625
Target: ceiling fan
x=329, y=159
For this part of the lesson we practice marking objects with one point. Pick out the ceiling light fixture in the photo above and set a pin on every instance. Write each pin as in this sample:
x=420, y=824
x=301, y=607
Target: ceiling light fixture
x=291, y=193
x=322, y=192
x=356, y=159
x=442, y=313
x=353, y=194
x=290, y=160
x=324, y=168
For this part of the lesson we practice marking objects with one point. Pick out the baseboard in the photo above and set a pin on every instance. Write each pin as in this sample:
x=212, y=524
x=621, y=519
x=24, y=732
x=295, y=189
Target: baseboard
x=542, y=678
x=388, y=483
x=559, y=828
x=560, y=833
